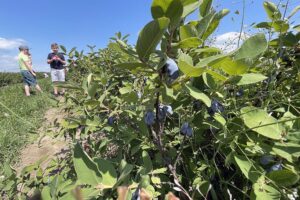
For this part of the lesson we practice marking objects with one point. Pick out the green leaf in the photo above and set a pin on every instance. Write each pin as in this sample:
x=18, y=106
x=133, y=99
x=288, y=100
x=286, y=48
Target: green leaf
x=187, y=31
x=46, y=193
x=125, y=90
x=150, y=36
x=258, y=120
x=272, y=10
x=289, y=39
x=216, y=75
x=191, y=42
x=266, y=25
x=86, y=170
x=208, y=50
x=69, y=124
x=205, y=7
x=212, y=60
x=231, y=67
x=171, y=9
x=247, y=79
x=131, y=66
x=247, y=168
x=190, y=70
x=284, y=177
x=155, y=180
x=147, y=162
x=252, y=47
x=280, y=26
x=89, y=193
x=107, y=171
x=159, y=171
x=297, y=27
x=219, y=118
x=63, y=48
x=92, y=89
x=294, y=137
x=91, y=102
x=204, y=23
x=189, y=6
x=214, y=23
x=209, y=80
x=288, y=151
x=261, y=191
x=197, y=94
x=294, y=11
x=125, y=170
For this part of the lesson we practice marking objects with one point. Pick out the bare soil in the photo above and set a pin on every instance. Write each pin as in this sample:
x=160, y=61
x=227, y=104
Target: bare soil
x=45, y=146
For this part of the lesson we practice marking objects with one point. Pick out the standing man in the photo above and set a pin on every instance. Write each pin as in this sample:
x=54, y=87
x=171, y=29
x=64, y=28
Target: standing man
x=57, y=62
x=25, y=64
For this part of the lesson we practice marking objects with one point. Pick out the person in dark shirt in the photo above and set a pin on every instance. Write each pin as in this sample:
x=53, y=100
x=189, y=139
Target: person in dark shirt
x=57, y=62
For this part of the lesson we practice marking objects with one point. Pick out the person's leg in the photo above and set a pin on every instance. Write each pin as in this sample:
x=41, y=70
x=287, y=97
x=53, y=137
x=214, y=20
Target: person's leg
x=54, y=78
x=61, y=78
x=26, y=81
x=38, y=88
x=55, y=89
x=27, y=90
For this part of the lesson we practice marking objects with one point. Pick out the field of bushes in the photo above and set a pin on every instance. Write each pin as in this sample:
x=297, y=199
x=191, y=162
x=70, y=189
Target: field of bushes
x=9, y=78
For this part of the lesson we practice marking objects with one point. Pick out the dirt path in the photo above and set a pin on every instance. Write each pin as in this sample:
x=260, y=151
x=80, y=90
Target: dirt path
x=45, y=146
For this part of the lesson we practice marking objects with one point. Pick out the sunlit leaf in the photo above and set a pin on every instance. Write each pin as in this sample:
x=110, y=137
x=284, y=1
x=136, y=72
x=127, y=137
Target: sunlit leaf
x=197, y=94
x=150, y=36
x=252, y=47
x=85, y=168
x=259, y=121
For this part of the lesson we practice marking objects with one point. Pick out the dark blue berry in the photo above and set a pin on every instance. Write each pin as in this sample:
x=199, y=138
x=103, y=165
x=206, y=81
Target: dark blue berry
x=172, y=69
x=186, y=129
x=216, y=107
x=197, y=105
x=169, y=110
x=266, y=159
x=111, y=121
x=149, y=118
x=136, y=194
x=145, y=80
x=276, y=167
x=239, y=93
x=161, y=113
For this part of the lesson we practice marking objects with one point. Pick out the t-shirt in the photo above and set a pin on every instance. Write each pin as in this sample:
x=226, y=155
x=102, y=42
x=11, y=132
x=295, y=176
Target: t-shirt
x=21, y=59
x=55, y=64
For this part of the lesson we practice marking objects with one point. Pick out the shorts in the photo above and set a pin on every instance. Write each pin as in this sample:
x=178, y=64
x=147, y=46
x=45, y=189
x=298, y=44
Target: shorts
x=58, y=75
x=28, y=78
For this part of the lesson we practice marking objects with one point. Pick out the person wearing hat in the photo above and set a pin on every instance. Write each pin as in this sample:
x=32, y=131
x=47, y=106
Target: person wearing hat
x=29, y=76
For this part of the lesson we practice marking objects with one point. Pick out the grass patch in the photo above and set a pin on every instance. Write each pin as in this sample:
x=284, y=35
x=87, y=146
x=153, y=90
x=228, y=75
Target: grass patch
x=20, y=118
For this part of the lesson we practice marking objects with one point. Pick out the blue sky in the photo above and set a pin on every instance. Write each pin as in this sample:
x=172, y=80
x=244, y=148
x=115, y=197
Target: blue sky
x=91, y=22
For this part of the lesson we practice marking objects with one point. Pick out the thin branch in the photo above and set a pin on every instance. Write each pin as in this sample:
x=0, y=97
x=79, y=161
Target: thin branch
x=242, y=24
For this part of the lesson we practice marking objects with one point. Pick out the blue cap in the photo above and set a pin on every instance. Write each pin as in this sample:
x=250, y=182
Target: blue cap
x=23, y=47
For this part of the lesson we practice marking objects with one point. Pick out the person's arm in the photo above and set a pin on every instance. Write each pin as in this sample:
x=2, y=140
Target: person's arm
x=49, y=59
x=29, y=67
x=61, y=59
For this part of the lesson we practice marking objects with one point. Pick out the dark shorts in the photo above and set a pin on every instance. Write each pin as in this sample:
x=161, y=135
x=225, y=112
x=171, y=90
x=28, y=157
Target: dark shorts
x=28, y=78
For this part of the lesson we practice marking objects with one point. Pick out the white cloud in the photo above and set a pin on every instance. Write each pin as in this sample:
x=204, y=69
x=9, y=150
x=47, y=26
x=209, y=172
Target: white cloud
x=8, y=44
x=8, y=63
x=8, y=53
x=229, y=41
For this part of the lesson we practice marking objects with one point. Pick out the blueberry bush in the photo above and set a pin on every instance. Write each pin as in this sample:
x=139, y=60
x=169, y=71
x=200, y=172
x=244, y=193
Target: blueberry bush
x=174, y=114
